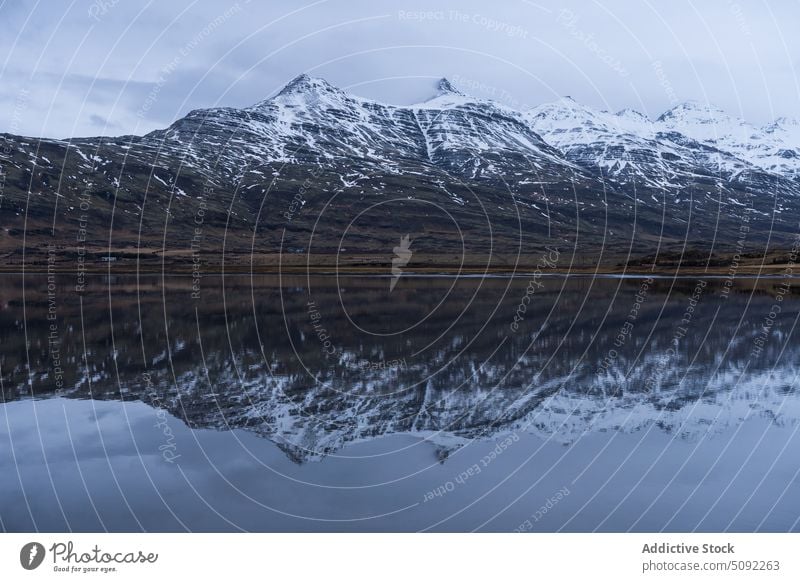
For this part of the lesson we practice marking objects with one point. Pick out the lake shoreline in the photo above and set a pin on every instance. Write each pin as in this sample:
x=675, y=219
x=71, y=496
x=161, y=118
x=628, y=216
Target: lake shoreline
x=748, y=271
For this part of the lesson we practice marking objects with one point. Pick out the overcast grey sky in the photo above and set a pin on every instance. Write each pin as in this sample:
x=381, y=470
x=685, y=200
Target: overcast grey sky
x=121, y=66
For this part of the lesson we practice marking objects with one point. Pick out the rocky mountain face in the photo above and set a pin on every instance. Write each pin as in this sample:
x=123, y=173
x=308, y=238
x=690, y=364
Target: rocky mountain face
x=316, y=174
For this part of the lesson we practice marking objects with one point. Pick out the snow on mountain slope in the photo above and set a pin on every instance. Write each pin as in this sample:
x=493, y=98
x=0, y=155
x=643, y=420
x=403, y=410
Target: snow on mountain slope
x=478, y=137
x=311, y=121
x=773, y=148
x=626, y=147
x=621, y=147
x=682, y=147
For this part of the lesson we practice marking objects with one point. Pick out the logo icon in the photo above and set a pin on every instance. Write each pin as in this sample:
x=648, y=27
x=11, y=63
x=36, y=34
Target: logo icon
x=403, y=254
x=32, y=555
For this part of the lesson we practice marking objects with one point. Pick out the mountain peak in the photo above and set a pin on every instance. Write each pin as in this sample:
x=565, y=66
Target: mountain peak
x=695, y=105
x=306, y=84
x=445, y=87
x=787, y=121
x=303, y=89
x=786, y=129
x=697, y=111
x=631, y=113
x=564, y=108
x=446, y=96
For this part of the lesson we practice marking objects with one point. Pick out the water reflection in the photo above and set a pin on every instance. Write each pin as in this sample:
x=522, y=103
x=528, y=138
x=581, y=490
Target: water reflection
x=315, y=363
x=323, y=366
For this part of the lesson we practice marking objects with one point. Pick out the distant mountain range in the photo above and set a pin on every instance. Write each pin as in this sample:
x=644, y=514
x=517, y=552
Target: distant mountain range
x=316, y=175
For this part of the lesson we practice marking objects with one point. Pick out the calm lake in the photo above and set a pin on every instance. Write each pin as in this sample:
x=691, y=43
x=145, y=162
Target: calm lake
x=347, y=403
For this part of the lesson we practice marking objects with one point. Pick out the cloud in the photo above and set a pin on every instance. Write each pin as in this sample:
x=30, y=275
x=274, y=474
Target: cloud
x=77, y=65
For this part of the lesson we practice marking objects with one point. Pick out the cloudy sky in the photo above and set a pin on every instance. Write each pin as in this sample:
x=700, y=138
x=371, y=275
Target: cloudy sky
x=123, y=66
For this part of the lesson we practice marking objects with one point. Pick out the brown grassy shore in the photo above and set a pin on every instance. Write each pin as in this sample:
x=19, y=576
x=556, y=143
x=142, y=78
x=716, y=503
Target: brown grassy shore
x=122, y=261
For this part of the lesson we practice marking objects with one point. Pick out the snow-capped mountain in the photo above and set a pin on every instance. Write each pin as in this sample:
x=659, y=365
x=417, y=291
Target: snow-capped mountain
x=480, y=138
x=773, y=148
x=687, y=144
x=311, y=121
x=261, y=176
x=622, y=147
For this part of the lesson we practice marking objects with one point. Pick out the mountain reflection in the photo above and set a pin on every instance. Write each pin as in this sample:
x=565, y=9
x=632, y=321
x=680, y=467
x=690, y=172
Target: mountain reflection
x=315, y=363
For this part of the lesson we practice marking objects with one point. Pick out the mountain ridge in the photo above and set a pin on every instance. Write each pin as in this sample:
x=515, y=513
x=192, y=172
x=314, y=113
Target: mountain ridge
x=560, y=174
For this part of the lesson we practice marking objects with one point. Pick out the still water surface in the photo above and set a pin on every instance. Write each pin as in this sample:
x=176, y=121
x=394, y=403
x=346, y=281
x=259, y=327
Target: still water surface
x=337, y=404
